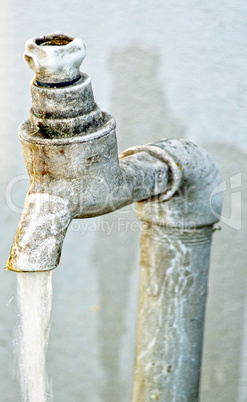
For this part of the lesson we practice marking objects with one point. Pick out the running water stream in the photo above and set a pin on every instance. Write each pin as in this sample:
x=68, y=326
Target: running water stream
x=34, y=298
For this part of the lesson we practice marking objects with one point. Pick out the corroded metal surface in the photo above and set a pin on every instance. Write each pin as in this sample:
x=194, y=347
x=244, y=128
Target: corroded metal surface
x=66, y=111
x=70, y=150
x=84, y=174
x=175, y=253
x=173, y=289
x=174, y=168
x=194, y=204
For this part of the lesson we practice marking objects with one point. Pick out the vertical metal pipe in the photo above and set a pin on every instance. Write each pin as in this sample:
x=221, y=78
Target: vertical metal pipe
x=175, y=253
x=172, y=297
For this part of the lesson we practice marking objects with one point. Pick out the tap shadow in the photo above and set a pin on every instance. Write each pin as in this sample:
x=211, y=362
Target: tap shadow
x=139, y=105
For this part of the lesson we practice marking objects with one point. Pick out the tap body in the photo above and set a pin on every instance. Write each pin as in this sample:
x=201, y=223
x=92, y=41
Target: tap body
x=70, y=151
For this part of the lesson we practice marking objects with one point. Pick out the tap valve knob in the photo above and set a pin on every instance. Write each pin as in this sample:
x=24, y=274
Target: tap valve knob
x=55, y=58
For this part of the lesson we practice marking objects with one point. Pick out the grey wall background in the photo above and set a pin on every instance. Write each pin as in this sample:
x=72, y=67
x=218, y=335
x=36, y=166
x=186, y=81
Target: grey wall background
x=162, y=68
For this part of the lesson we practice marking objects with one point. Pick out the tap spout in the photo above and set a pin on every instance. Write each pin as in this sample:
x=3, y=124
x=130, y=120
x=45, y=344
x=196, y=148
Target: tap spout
x=40, y=234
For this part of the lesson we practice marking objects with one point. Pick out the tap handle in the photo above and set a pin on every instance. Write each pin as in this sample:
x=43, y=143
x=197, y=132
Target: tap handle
x=55, y=58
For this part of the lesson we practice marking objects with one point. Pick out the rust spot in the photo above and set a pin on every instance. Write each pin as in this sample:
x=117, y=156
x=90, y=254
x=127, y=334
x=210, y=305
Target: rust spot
x=44, y=172
x=61, y=151
x=60, y=40
x=92, y=159
x=44, y=168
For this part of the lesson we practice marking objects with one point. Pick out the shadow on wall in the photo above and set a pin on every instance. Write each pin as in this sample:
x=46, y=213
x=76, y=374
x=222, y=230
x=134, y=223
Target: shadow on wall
x=142, y=114
x=224, y=360
x=138, y=100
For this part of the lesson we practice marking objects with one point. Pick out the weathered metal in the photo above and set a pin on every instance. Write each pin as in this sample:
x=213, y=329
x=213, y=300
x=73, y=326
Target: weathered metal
x=175, y=254
x=172, y=297
x=70, y=149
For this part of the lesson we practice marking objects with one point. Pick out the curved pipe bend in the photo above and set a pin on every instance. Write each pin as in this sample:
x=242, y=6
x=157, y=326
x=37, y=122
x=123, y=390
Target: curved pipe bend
x=195, y=203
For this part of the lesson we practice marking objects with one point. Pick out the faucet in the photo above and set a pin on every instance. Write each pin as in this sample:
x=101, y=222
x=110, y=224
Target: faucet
x=70, y=150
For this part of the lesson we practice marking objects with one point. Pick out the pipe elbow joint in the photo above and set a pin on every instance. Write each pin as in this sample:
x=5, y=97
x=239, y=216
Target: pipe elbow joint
x=197, y=201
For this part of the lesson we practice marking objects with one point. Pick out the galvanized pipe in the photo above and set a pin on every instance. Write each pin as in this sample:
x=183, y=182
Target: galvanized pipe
x=172, y=297
x=70, y=150
x=175, y=254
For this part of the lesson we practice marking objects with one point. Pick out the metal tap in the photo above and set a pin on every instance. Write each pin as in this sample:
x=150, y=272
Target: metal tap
x=70, y=150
